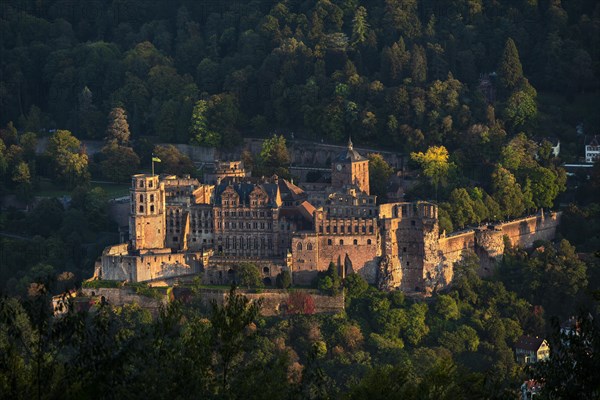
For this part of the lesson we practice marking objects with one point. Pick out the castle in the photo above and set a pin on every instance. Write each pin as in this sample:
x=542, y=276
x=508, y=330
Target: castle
x=181, y=227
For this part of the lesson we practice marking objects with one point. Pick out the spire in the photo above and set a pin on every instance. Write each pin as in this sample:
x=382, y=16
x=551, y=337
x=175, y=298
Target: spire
x=349, y=143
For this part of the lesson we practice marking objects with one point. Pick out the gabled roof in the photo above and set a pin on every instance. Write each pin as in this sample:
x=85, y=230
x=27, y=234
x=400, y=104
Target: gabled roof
x=307, y=210
x=592, y=141
x=529, y=343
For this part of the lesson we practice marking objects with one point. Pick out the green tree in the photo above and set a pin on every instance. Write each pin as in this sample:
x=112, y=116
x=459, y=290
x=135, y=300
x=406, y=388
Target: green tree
x=199, y=132
x=274, y=157
x=248, y=275
x=117, y=131
x=355, y=286
x=379, y=175
x=284, y=279
x=360, y=26
x=462, y=209
x=229, y=332
x=69, y=160
x=507, y=193
x=120, y=163
x=173, y=161
x=510, y=70
x=520, y=109
x=446, y=307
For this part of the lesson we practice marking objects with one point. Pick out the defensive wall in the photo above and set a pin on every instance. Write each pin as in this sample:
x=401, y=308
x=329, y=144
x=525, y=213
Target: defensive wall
x=273, y=302
x=488, y=242
x=121, y=296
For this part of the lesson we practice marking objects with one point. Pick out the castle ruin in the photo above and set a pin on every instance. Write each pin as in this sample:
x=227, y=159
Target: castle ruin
x=180, y=227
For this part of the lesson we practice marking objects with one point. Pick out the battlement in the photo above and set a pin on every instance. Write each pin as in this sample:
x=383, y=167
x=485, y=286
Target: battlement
x=406, y=210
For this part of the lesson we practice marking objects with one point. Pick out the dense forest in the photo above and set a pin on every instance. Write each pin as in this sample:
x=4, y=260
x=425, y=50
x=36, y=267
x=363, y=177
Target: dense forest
x=474, y=92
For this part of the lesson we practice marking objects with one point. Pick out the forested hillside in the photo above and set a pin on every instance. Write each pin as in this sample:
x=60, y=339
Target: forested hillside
x=397, y=73
x=472, y=91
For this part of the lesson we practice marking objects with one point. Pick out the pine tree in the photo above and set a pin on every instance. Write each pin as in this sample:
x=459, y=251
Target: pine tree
x=117, y=132
x=510, y=70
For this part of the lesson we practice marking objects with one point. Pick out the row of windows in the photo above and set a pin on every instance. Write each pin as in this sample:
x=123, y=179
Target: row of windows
x=234, y=243
x=246, y=214
x=141, y=184
x=141, y=208
x=235, y=203
x=343, y=229
x=349, y=211
x=142, y=198
x=354, y=242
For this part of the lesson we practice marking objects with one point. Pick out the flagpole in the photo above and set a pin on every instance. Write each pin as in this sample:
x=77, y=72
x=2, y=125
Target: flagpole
x=152, y=164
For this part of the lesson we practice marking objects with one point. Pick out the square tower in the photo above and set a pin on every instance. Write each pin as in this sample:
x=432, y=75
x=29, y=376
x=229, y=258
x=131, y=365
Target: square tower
x=350, y=168
x=147, y=224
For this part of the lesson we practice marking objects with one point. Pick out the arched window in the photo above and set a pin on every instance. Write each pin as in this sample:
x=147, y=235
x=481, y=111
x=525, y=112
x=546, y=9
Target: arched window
x=151, y=209
x=299, y=246
x=151, y=197
x=309, y=247
x=141, y=197
x=341, y=241
x=355, y=242
x=368, y=241
x=329, y=242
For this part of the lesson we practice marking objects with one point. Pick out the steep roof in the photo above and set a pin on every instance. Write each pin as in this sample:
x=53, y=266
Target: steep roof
x=529, y=343
x=349, y=155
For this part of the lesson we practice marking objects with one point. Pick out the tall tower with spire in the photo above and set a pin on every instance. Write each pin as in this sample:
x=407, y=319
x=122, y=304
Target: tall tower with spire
x=350, y=168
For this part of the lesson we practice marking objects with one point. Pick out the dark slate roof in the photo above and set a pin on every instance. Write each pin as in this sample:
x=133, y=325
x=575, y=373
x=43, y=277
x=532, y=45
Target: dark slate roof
x=592, y=141
x=349, y=155
x=529, y=343
x=242, y=189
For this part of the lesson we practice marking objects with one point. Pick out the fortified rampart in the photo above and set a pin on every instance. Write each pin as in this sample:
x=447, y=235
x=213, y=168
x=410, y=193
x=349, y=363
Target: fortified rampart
x=273, y=301
x=488, y=242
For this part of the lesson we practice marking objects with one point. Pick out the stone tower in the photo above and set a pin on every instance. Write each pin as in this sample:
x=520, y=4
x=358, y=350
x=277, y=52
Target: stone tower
x=147, y=224
x=350, y=168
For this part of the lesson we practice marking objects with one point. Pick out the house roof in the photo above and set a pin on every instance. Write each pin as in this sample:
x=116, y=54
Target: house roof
x=529, y=343
x=592, y=141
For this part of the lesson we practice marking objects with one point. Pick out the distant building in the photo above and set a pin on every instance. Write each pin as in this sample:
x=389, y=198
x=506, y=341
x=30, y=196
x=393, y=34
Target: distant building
x=530, y=349
x=592, y=149
x=225, y=169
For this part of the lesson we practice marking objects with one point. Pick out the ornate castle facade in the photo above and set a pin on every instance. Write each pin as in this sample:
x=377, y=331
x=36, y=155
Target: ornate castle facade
x=180, y=227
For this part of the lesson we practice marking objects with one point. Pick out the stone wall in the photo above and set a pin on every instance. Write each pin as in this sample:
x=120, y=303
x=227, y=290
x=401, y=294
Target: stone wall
x=118, y=265
x=121, y=296
x=350, y=253
x=274, y=302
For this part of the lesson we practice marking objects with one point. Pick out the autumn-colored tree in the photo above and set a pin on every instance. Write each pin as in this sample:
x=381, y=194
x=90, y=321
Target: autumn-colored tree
x=300, y=302
x=434, y=164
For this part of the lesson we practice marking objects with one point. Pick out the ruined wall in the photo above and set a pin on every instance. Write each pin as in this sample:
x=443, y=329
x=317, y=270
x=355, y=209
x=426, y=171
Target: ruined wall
x=488, y=243
x=121, y=296
x=351, y=253
x=451, y=250
x=119, y=266
x=274, y=302
x=523, y=232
